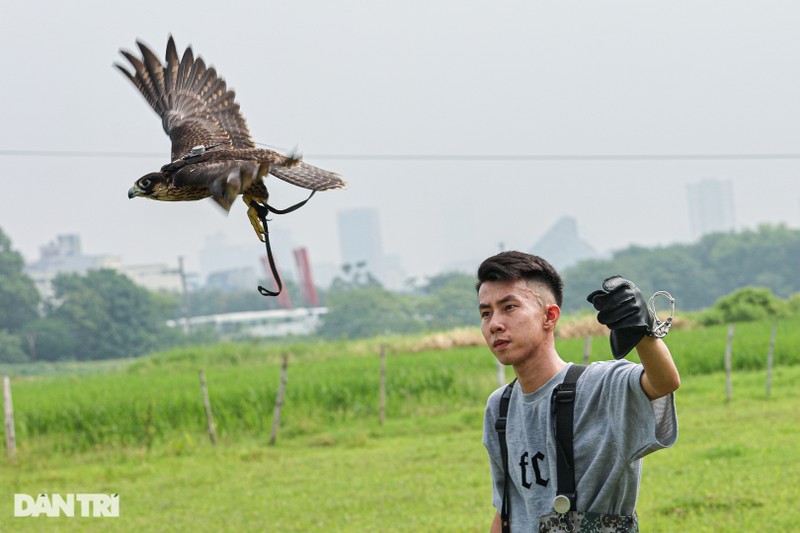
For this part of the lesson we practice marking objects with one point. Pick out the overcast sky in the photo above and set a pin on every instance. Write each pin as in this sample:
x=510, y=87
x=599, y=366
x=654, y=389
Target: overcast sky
x=454, y=78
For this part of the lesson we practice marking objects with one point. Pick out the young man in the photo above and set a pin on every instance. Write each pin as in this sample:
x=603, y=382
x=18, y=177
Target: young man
x=622, y=411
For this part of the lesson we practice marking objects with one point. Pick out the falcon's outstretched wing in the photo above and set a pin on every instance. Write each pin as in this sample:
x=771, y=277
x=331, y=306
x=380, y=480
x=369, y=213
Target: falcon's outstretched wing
x=194, y=104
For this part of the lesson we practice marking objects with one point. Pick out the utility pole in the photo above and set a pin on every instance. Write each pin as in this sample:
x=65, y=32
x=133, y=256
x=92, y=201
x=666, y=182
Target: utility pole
x=187, y=328
x=500, y=368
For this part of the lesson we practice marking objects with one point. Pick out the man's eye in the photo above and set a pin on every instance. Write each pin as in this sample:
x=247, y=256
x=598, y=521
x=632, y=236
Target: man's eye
x=485, y=314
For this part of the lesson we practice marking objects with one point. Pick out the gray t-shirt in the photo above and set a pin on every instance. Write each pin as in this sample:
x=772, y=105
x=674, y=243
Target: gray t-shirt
x=615, y=426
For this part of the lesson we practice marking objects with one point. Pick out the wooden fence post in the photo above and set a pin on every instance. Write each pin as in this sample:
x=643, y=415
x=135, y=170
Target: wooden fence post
x=587, y=349
x=728, y=364
x=770, y=356
x=501, y=374
x=276, y=419
x=382, y=407
x=212, y=431
x=8, y=410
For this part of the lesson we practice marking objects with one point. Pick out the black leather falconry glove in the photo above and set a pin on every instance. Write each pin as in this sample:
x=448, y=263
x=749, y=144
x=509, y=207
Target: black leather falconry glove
x=622, y=308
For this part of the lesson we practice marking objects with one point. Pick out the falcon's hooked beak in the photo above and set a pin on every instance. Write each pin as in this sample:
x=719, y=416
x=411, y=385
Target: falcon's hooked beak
x=134, y=191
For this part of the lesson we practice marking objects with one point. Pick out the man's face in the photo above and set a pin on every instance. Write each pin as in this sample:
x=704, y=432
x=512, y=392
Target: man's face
x=513, y=319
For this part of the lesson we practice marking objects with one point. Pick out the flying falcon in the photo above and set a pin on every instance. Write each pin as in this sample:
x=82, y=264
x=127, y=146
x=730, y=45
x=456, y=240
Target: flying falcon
x=213, y=154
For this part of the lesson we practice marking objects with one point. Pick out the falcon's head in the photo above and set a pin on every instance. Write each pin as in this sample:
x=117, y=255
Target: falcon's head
x=152, y=186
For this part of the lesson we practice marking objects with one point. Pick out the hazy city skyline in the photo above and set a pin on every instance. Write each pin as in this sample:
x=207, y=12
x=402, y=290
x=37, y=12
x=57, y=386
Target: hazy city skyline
x=521, y=113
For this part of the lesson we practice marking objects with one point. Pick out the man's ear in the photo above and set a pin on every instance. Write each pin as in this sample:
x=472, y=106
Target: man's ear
x=551, y=315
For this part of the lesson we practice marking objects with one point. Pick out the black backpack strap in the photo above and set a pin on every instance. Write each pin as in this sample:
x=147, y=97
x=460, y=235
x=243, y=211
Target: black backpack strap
x=563, y=406
x=500, y=426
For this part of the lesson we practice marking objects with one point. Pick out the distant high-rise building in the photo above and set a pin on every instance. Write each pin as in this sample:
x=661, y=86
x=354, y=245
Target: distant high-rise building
x=360, y=236
x=710, y=207
x=360, y=242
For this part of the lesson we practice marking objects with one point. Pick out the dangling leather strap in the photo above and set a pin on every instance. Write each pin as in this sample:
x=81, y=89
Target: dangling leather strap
x=263, y=211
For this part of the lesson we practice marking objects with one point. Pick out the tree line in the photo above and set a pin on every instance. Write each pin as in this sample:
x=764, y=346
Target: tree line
x=103, y=314
x=99, y=315
x=733, y=276
x=698, y=274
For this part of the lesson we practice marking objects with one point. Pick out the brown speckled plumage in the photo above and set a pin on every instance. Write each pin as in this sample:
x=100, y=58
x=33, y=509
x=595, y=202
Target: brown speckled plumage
x=213, y=154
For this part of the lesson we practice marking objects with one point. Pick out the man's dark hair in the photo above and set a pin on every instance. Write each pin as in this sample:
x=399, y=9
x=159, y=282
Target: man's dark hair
x=512, y=266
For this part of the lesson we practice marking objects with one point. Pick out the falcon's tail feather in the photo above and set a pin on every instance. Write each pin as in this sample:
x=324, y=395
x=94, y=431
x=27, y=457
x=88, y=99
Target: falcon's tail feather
x=308, y=177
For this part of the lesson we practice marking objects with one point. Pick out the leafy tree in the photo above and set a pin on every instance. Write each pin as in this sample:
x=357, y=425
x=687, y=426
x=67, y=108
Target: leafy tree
x=675, y=269
x=768, y=257
x=53, y=339
x=11, y=348
x=366, y=312
x=449, y=300
x=698, y=274
x=794, y=303
x=747, y=304
x=19, y=298
x=358, y=306
x=108, y=314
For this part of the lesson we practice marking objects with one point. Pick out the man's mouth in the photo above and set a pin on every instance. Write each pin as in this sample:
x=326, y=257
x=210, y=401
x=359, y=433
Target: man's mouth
x=500, y=343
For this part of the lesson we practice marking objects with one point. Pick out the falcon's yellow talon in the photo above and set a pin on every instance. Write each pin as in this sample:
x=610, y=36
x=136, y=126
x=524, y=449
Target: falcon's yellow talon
x=255, y=220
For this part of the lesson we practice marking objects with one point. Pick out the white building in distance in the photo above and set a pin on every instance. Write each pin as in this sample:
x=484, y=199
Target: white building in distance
x=64, y=256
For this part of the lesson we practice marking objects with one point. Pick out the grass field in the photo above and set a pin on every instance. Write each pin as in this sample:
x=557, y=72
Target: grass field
x=137, y=430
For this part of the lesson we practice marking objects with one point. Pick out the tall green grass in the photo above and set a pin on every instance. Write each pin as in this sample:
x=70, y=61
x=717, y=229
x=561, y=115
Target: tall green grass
x=156, y=399
x=153, y=401
x=702, y=350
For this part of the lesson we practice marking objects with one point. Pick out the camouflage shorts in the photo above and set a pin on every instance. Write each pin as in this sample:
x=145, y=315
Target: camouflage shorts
x=577, y=522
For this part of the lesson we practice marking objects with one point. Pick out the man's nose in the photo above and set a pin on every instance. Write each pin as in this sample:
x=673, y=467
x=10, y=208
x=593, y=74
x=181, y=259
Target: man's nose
x=496, y=324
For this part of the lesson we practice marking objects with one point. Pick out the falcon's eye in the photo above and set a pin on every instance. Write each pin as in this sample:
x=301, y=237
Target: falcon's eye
x=145, y=183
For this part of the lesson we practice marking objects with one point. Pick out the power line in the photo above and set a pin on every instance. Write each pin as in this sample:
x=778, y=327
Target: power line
x=78, y=153
x=434, y=157
x=552, y=157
